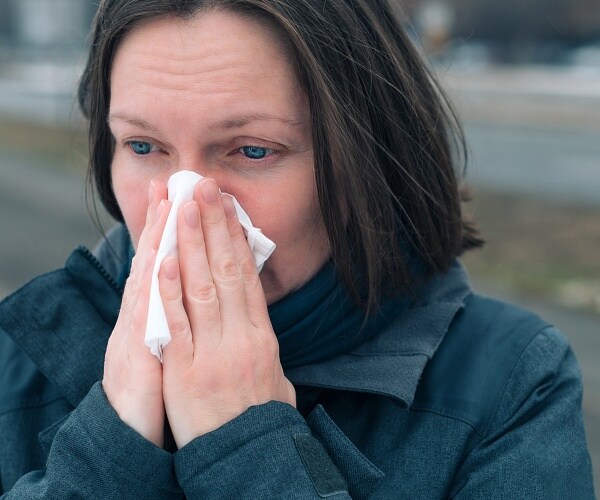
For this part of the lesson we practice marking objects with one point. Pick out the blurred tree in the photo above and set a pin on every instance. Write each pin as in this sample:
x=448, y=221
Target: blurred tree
x=45, y=24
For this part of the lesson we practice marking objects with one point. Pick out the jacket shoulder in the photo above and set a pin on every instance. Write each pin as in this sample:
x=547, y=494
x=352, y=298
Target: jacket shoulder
x=22, y=383
x=56, y=328
x=468, y=374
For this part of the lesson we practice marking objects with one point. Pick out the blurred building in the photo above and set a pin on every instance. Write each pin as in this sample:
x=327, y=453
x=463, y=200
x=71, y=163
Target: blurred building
x=515, y=30
x=570, y=20
x=48, y=29
x=59, y=27
x=42, y=51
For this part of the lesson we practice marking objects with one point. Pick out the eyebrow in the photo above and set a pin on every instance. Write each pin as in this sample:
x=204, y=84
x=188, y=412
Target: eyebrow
x=136, y=122
x=247, y=119
x=223, y=125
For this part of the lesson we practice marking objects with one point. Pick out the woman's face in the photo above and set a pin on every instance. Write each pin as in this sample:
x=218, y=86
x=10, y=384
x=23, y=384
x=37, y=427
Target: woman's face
x=217, y=94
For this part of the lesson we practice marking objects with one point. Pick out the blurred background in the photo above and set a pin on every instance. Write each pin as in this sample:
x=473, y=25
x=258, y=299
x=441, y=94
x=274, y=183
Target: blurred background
x=524, y=76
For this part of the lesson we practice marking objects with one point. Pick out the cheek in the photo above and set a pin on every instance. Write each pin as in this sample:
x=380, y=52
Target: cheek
x=302, y=225
x=132, y=196
x=302, y=247
x=294, y=222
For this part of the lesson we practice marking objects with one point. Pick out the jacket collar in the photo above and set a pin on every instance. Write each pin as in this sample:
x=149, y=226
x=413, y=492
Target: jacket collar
x=391, y=364
x=69, y=345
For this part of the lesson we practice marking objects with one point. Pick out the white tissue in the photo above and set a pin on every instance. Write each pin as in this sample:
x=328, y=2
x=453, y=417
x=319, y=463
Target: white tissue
x=181, y=190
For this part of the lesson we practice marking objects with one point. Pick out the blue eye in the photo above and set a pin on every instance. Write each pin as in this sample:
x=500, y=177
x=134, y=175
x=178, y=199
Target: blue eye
x=140, y=147
x=255, y=152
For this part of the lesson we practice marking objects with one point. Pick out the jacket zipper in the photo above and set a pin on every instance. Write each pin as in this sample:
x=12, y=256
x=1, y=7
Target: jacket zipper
x=100, y=268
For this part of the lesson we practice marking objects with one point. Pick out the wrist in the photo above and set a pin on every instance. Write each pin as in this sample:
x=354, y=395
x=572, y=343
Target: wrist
x=143, y=413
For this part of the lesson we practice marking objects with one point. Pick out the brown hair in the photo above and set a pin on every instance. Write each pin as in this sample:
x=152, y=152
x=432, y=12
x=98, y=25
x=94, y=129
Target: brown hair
x=386, y=142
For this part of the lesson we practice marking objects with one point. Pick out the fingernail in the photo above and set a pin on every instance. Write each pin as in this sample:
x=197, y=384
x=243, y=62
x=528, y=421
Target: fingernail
x=228, y=205
x=191, y=215
x=151, y=193
x=171, y=268
x=210, y=192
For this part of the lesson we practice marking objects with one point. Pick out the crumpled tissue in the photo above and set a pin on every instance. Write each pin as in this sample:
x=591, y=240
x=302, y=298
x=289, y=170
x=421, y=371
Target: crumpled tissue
x=181, y=190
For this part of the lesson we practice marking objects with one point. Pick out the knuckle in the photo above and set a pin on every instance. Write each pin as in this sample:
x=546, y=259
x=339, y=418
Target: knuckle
x=195, y=241
x=212, y=383
x=248, y=269
x=203, y=291
x=214, y=377
x=178, y=325
x=228, y=270
x=213, y=217
x=169, y=292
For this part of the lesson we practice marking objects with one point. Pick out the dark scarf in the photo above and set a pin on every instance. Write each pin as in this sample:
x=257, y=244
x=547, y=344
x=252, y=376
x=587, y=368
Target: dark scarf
x=320, y=320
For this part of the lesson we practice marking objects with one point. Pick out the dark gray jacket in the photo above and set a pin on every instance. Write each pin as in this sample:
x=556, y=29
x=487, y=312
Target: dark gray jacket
x=461, y=397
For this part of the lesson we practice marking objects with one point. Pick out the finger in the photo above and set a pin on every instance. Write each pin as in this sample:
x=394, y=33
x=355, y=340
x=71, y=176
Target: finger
x=139, y=315
x=180, y=351
x=131, y=291
x=147, y=249
x=224, y=267
x=136, y=294
x=199, y=290
x=134, y=307
x=150, y=238
x=157, y=192
x=255, y=296
x=140, y=258
x=152, y=233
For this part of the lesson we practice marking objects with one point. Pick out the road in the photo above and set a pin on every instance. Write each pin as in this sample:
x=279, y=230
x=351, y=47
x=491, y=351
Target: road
x=561, y=164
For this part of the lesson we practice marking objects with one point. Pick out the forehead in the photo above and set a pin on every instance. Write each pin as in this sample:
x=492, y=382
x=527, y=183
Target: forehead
x=207, y=41
x=213, y=55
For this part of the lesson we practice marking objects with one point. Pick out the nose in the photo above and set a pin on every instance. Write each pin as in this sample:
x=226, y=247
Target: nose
x=203, y=168
x=186, y=155
x=191, y=162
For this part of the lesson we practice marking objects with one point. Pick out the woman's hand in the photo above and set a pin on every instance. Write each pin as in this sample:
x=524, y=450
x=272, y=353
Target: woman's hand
x=132, y=375
x=223, y=356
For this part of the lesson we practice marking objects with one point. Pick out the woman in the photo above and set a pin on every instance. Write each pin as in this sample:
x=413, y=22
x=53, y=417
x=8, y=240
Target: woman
x=359, y=363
